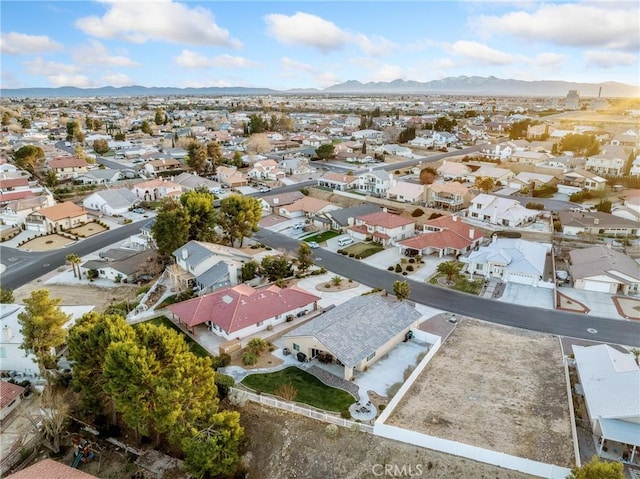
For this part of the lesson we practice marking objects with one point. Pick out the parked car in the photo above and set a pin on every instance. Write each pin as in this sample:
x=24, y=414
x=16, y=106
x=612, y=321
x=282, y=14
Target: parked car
x=138, y=210
x=313, y=244
x=264, y=189
x=298, y=226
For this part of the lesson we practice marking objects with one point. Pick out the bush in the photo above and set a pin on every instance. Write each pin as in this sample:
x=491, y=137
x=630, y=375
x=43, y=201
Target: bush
x=534, y=206
x=382, y=407
x=331, y=430
x=398, y=268
x=249, y=358
x=404, y=273
x=339, y=251
x=508, y=234
x=417, y=212
x=221, y=361
x=345, y=414
x=412, y=260
x=351, y=255
x=224, y=383
x=409, y=268
x=390, y=268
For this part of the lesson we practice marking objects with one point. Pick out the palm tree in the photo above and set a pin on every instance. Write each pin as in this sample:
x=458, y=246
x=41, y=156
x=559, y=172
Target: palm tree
x=450, y=269
x=401, y=290
x=75, y=261
x=336, y=280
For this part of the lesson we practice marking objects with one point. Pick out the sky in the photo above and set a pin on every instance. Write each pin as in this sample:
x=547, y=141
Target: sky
x=313, y=44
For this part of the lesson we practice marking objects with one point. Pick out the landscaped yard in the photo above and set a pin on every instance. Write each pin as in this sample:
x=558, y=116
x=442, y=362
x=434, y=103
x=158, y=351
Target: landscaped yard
x=88, y=229
x=323, y=236
x=461, y=283
x=363, y=250
x=46, y=243
x=193, y=346
x=310, y=390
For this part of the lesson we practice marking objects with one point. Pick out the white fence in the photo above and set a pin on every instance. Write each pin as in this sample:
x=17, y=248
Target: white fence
x=304, y=411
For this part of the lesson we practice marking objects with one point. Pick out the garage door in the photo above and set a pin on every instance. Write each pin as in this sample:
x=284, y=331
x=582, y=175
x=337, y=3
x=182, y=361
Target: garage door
x=520, y=279
x=597, y=286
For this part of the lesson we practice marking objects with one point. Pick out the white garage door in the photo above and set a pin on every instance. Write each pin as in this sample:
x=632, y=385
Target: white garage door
x=596, y=286
x=520, y=279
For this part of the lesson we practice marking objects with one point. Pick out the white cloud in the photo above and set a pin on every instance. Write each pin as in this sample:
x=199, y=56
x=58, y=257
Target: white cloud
x=376, y=46
x=294, y=69
x=305, y=29
x=80, y=81
x=479, y=52
x=548, y=60
x=387, y=73
x=14, y=43
x=608, y=59
x=162, y=20
x=601, y=24
x=95, y=53
x=38, y=66
x=191, y=59
x=117, y=79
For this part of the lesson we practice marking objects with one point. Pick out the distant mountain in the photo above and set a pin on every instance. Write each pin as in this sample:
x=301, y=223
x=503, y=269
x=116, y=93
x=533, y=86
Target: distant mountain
x=474, y=85
x=461, y=85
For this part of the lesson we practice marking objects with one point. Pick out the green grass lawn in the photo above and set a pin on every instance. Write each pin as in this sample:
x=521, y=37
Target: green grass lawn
x=154, y=205
x=363, y=249
x=462, y=284
x=323, y=236
x=310, y=389
x=193, y=346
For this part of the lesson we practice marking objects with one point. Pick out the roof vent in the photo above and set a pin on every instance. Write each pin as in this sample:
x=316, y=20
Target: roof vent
x=227, y=299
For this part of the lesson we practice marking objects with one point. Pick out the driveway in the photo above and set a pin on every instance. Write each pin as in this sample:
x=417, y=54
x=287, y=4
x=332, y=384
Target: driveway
x=528, y=296
x=600, y=304
x=384, y=259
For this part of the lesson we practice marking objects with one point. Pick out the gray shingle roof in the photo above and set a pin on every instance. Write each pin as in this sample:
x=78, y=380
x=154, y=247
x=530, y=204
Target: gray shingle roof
x=118, y=198
x=357, y=328
x=216, y=275
x=342, y=216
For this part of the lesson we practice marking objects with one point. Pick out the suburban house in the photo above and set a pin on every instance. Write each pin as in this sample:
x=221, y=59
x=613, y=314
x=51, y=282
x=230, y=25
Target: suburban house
x=296, y=166
x=155, y=167
x=306, y=206
x=406, y=192
x=14, y=358
x=355, y=157
x=383, y=227
x=596, y=223
x=342, y=218
x=14, y=212
x=447, y=235
x=241, y=311
x=130, y=268
x=452, y=196
x=338, y=181
x=609, y=162
x=153, y=190
x=610, y=380
x=56, y=218
x=374, y=327
x=529, y=157
x=395, y=150
x=266, y=170
x=206, y=266
x=273, y=203
x=99, y=176
x=453, y=170
x=499, y=175
x=13, y=184
x=68, y=166
x=605, y=270
x=531, y=180
x=512, y=261
x=190, y=181
x=11, y=396
x=421, y=142
x=500, y=211
x=629, y=138
x=231, y=177
x=49, y=469
x=577, y=180
x=635, y=166
x=111, y=202
x=566, y=163
x=630, y=208
x=374, y=182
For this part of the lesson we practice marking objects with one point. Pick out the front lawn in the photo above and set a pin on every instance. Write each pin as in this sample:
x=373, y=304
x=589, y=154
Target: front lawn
x=461, y=283
x=193, y=346
x=310, y=389
x=363, y=250
x=323, y=236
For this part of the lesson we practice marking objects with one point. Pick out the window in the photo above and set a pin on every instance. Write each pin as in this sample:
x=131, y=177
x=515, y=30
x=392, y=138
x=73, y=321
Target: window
x=371, y=356
x=3, y=353
x=296, y=347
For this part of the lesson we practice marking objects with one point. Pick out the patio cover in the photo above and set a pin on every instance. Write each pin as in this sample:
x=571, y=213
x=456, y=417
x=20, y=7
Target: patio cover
x=620, y=431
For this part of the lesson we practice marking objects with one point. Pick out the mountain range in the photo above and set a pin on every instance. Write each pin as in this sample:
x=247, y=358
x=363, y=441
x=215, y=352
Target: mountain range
x=461, y=85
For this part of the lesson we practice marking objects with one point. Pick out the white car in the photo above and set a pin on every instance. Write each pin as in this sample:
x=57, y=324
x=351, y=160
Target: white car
x=313, y=244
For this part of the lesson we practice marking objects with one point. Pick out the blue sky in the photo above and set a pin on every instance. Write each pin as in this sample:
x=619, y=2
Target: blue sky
x=313, y=44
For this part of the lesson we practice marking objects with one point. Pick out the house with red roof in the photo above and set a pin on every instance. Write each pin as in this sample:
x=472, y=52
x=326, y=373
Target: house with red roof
x=68, y=166
x=382, y=227
x=156, y=189
x=338, y=181
x=242, y=310
x=447, y=235
x=10, y=398
x=56, y=218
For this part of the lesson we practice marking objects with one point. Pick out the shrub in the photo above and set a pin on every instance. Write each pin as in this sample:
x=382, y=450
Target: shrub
x=331, y=430
x=351, y=255
x=286, y=392
x=404, y=273
x=339, y=251
x=398, y=268
x=390, y=268
x=220, y=361
x=508, y=234
x=417, y=212
x=411, y=260
x=249, y=358
x=224, y=383
x=534, y=206
x=345, y=414
x=382, y=407
x=409, y=268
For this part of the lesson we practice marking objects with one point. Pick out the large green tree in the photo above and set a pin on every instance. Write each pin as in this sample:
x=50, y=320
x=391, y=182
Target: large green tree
x=449, y=269
x=276, y=267
x=100, y=146
x=160, y=117
x=486, y=184
x=256, y=125
x=29, y=157
x=171, y=227
x=325, y=152
x=597, y=469
x=214, y=154
x=305, y=256
x=199, y=204
x=197, y=157
x=580, y=144
x=238, y=217
x=42, y=328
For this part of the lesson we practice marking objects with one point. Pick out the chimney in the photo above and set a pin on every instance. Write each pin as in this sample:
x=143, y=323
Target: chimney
x=276, y=200
x=454, y=218
x=472, y=233
x=384, y=209
x=494, y=238
x=185, y=253
x=596, y=221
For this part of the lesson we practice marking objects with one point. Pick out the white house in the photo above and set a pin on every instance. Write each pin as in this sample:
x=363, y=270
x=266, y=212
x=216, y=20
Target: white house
x=266, y=170
x=111, y=202
x=156, y=189
x=610, y=161
x=395, y=150
x=382, y=227
x=500, y=211
x=375, y=182
x=406, y=192
x=635, y=166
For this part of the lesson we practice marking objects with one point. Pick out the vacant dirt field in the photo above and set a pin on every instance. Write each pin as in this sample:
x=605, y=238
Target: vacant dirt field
x=282, y=445
x=494, y=387
x=46, y=243
x=89, y=229
x=79, y=295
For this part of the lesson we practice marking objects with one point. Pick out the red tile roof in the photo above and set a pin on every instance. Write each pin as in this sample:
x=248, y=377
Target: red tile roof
x=12, y=182
x=386, y=220
x=62, y=211
x=8, y=393
x=452, y=234
x=233, y=309
x=50, y=469
x=16, y=195
x=67, y=162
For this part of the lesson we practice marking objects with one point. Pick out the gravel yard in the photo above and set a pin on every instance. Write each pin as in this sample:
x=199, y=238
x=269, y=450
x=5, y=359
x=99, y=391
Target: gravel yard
x=497, y=388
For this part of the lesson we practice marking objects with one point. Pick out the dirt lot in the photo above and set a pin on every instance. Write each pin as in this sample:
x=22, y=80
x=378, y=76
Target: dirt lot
x=79, y=295
x=510, y=398
x=46, y=243
x=282, y=445
x=89, y=229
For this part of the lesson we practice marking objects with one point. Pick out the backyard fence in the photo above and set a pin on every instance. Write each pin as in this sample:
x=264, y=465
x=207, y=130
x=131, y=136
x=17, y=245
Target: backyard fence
x=303, y=411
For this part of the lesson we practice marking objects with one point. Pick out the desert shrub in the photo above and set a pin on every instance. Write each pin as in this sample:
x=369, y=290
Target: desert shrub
x=238, y=398
x=390, y=268
x=249, y=358
x=382, y=407
x=412, y=260
x=345, y=414
x=534, y=206
x=417, y=212
x=224, y=383
x=331, y=430
x=220, y=361
x=398, y=268
x=409, y=268
x=351, y=255
x=404, y=273
x=286, y=392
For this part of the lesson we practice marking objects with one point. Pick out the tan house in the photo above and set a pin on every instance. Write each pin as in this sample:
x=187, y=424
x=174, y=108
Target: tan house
x=605, y=270
x=338, y=181
x=155, y=167
x=453, y=170
x=68, y=166
x=374, y=327
x=306, y=206
x=56, y=218
x=451, y=196
x=382, y=227
x=156, y=189
x=231, y=177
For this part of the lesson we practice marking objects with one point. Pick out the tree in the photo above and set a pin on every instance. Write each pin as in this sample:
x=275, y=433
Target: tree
x=202, y=214
x=120, y=136
x=52, y=419
x=29, y=157
x=407, y=135
x=276, y=267
x=580, y=144
x=100, y=146
x=325, y=152
x=171, y=228
x=6, y=118
x=74, y=132
x=256, y=125
x=449, y=269
x=214, y=154
x=51, y=179
x=75, y=261
x=444, y=124
x=258, y=143
x=305, y=257
x=25, y=123
x=214, y=451
x=401, y=290
x=597, y=469
x=427, y=175
x=6, y=296
x=519, y=129
x=160, y=117
x=238, y=217
x=249, y=270
x=604, y=206
x=486, y=184
x=197, y=159
x=145, y=127
x=42, y=329
x=336, y=280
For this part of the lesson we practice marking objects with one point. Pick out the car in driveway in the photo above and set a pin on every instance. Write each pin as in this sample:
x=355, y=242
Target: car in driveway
x=139, y=210
x=313, y=244
x=264, y=189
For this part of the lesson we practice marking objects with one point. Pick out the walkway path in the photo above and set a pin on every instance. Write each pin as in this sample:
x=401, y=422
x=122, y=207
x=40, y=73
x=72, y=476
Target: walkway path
x=333, y=380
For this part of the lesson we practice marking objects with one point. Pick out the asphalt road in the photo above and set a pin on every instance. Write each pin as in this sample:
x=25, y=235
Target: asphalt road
x=532, y=318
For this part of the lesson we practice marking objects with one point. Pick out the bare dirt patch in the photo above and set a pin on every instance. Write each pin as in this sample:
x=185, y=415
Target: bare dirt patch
x=497, y=388
x=46, y=243
x=281, y=445
x=265, y=360
x=80, y=294
x=344, y=285
x=88, y=229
